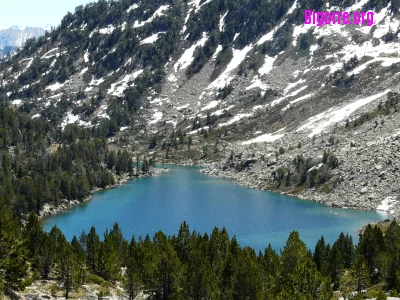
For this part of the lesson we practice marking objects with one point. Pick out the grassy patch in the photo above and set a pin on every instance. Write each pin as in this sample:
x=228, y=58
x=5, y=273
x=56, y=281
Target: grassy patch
x=54, y=148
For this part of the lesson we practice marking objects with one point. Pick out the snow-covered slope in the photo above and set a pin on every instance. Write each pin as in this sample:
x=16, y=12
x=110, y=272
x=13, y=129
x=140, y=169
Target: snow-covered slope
x=250, y=71
x=209, y=71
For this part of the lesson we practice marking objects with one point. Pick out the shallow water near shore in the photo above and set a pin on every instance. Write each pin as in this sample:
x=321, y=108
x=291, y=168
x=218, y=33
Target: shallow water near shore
x=146, y=205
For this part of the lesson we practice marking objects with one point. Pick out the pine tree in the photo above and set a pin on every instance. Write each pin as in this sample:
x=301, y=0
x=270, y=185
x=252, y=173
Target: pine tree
x=13, y=266
x=131, y=279
x=247, y=280
x=293, y=253
x=111, y=259
x=93, y=242
x=320, y=255
x=335, y=265
x=33, y=234
x=167, y=267
x=307, y=283
x=360, y=273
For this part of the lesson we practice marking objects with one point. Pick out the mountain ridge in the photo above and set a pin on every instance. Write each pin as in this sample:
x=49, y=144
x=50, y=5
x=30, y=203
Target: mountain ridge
x=15, y=36
x=244, y=77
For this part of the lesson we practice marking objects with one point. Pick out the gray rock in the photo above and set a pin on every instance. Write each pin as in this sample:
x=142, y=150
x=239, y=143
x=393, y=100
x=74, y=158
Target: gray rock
x=31, y=297
x=91, y=296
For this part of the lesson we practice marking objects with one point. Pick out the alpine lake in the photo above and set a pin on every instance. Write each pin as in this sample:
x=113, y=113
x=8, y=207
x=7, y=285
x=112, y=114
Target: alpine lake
x=144, y=206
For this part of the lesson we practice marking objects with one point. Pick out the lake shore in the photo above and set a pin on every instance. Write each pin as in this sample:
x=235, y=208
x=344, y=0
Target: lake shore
x=146, y=206
x=65, y=205
x=252, y=180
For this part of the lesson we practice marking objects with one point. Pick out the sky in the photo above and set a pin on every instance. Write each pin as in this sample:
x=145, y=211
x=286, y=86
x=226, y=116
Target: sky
x=36, y=13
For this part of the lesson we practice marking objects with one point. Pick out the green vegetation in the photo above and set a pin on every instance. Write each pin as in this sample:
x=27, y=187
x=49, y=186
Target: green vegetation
x=194, y=266
x=302, y=173
x=41, y=164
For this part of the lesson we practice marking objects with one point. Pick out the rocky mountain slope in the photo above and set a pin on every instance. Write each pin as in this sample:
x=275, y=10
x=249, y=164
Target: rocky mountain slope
x=15, y=37
x=245, y=83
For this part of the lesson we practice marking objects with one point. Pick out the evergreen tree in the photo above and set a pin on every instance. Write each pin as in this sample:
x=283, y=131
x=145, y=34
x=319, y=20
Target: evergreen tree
x=307, y=283
x=13, y=266
x=270, y=271
x=167, y=270
x=131, y=279
x=293, y=253
x=92, y=250
x=360, y=273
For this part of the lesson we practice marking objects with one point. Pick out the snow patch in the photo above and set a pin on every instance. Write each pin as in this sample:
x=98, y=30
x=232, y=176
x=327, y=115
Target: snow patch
x=268, y=65
x=318, y=123
x=385, y=27
x=218, y=50
x=182, y=107
x=297, y=30
x=295, y=101
x=386, y=62
x=48, y=52
x=172, y=78
x=387, y=205
x=69, y=119
x=86, y=56
x=234, y=119
x=265, y=138
x=221, y=111
x=187, y=57
x=16, y=102
x=239, y=55
x=277, y=101
x=186, y=20
x=222, y=22
x=151, y=39
x=356, y=6
x=132, y=7
x=84, y=70
x=257, y=83
x=96, y=81
x=118, y=88
x=210, y=105
x=55, y=86
x=313, y=48
x=270, y=34
x=157, y=116
x=204, y=3
x=224, y=79
x=315, y=167
x=158, y=13
x=108, y=30
x=297, y=91
x=292, y=85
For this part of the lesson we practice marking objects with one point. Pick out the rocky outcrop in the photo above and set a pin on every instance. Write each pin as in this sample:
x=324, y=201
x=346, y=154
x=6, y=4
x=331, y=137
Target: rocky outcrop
x=368, y=175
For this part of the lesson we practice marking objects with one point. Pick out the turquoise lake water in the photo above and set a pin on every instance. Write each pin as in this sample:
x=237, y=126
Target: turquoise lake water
x=145, y=205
